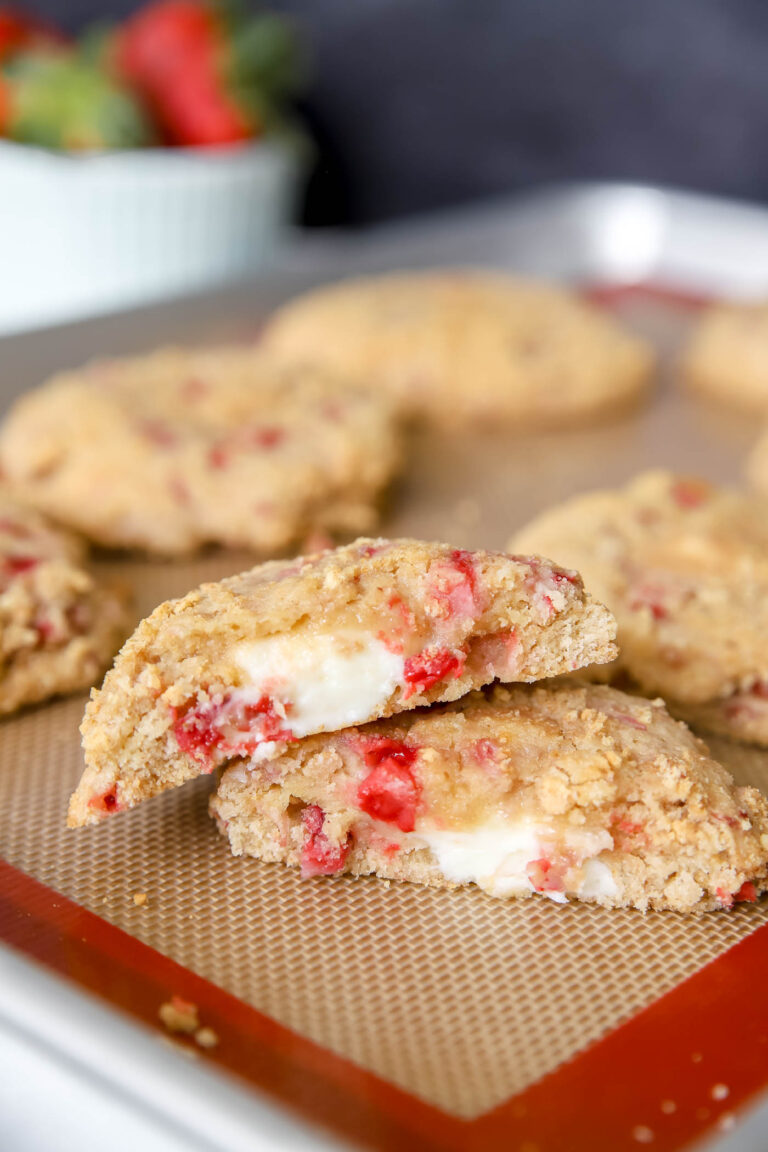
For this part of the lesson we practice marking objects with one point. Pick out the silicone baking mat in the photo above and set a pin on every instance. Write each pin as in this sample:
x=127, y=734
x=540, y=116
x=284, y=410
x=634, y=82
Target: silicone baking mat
x=402, y=1016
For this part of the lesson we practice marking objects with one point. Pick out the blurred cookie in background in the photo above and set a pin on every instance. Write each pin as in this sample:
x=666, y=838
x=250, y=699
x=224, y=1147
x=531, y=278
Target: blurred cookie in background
x=467, y=346
x=727, y=355
x=185, y=447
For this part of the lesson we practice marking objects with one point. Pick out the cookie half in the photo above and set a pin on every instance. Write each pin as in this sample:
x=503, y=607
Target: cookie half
x=569, y=791
x=452, y=347
x=184, y=447
x=683, y=565
x=240, y=669
x=59, y=628
x=727, y=356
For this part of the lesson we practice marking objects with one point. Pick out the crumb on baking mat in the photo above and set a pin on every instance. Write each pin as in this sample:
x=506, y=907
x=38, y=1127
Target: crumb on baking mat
x=181, y=1016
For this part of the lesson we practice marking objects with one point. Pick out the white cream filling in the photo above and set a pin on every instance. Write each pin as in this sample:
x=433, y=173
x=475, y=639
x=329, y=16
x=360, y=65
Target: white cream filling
x=497, y=857
x=324, y=681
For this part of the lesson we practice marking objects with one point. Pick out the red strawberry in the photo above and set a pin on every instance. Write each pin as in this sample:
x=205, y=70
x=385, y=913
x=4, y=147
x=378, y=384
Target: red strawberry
x=18, y=30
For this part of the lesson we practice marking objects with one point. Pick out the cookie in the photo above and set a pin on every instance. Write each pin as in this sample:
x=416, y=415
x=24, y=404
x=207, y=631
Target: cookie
x=684, y=567
x=727, y=355
x=453, y=347
x=180, y=448
x=58, y=627
x=569, y=791
x=240, y=669
x=757, y=465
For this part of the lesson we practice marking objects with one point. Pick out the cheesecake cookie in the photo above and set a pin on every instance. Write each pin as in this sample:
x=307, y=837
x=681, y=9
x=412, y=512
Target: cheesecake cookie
x=467, y=346
x=683, y=565
x=239, y=669
x=58, y=627
x=727, y=355
x=571, y=791
x=180, y=448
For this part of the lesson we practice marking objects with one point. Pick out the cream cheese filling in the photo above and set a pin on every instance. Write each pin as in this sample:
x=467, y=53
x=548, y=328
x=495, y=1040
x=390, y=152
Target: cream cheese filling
x=324, y=681
x=499, y=857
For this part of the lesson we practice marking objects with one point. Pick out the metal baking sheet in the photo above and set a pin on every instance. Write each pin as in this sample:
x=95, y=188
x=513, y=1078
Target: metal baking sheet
x=474, y=491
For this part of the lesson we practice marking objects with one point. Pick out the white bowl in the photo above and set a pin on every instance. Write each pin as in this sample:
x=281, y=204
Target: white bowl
x=81, y=234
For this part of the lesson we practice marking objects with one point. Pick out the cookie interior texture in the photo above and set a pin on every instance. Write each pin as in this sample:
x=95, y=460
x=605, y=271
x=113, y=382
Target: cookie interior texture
x=238, y=669
x=183, y=447
x=564, y=790
x=452, y=347
x=684, y=567
x=59, y=627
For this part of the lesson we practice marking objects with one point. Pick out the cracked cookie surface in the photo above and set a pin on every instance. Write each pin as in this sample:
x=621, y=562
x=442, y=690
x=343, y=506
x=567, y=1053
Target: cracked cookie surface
x=241, y=668
x=569, y=791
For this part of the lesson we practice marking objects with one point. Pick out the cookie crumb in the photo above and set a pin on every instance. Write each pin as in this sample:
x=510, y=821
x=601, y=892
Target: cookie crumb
x=719, y=1091
x=206, y=1038
x=697, y=1057
x=642, y=1134
x=179, y=1015
x=668, y=1107
x=726, y=1121
x=139, y=899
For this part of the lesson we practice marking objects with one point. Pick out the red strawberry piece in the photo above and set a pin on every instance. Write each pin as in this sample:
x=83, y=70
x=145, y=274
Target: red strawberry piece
x=157, y=432
x=563, y=576
x=484, y=751
x=725, y=897
x=268, y=437
x=390, y=792
x=547, y=875
x=690, y=493
x=454, y=584
x=16, y=565
x=270, y=725
x=319, y=856
x=628, y=827
x=197, y=732
x=746, y=894
x=650, y=596
x=194, y=389
x=429, y=667
x=107, y=802
x=218, y=457
x=211, y=732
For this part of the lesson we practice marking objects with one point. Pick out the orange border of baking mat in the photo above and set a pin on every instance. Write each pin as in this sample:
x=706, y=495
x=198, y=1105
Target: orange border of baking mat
x=708, y=1032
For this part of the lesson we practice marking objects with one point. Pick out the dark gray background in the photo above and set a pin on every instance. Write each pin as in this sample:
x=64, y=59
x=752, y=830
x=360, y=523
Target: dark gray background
x=424, y=103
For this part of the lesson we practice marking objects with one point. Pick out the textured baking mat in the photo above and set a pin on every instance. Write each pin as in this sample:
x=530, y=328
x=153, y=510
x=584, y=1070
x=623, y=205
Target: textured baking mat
x=458, y=999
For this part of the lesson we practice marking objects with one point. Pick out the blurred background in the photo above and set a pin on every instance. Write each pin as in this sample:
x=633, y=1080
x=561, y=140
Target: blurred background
x=417, y=104
x=380, y=109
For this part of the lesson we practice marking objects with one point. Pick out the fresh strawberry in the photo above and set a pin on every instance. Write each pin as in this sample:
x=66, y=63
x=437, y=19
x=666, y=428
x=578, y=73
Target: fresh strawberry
x=205, y=78
x=19, y=30
x=160, y=41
